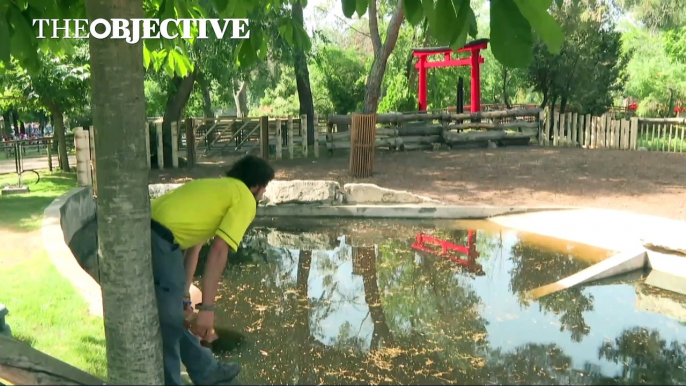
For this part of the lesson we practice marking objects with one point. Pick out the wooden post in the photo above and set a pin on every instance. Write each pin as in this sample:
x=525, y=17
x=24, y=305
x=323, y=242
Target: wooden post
x=82, y=147
x=93, y=168
x=175, y=144
x=556, y=130
x=303, y=132
x=49, y=143
x=279, y=139
x=316, y=136
x=541, y=128
x=264, y=137
x=572, y=127
x=160, y=145
x=147, y=142
x=681, y=148
x=289, y=129
x=587, y=131
x=362, y=139
x=190, y=141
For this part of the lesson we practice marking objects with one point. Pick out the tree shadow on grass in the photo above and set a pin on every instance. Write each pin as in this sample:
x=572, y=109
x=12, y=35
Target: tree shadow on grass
x=93, y=351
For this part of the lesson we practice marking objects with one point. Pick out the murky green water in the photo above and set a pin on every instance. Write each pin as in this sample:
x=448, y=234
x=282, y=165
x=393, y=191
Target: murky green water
x=354, y=303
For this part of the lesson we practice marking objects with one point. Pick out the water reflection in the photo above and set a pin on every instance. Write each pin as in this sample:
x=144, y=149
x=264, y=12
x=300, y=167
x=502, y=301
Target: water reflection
x=360, y=303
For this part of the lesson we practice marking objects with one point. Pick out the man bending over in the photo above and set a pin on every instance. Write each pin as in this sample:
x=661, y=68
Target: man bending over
x=185, y=219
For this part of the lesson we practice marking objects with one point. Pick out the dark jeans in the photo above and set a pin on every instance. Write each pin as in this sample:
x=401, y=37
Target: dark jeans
x=179, y=345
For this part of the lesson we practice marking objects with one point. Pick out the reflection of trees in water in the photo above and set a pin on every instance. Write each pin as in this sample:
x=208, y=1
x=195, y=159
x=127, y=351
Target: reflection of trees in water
x=646, y=357
x=533, y=267
x=534, y=364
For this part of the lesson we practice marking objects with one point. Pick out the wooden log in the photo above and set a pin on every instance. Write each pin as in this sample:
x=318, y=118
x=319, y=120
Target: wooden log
x=573, y=128
x=556, y=129
x=175, y=144
x=494, y=126
x=587, y=131
x=663, y=120
x=347, y=119
x=190, y=143
x=497, y=114
x=454, y=138
x=20, y=364
x=378, y=142
x=160, y=145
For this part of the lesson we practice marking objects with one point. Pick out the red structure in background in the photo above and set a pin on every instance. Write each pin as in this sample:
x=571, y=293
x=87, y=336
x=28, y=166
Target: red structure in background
x=446, y=247
x=474, y=61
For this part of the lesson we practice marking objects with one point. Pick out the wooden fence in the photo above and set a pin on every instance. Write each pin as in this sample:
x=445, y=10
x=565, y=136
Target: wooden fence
x=605, y=132
x=424, y=131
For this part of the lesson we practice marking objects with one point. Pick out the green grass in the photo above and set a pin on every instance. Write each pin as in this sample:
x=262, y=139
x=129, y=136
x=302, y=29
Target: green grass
x=25, y=212
x=46, y=311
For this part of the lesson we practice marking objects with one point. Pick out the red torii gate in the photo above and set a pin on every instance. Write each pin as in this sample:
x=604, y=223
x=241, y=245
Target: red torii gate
x=474, y=61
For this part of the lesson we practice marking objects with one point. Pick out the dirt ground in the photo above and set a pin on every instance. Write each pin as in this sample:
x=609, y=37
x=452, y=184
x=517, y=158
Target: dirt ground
x=650, y=183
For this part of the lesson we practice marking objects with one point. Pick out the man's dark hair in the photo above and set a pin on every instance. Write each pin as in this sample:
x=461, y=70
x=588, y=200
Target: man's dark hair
x=252, y=171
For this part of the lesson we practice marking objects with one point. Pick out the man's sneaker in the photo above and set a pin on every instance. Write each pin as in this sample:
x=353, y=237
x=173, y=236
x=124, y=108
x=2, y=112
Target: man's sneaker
x=225, y=373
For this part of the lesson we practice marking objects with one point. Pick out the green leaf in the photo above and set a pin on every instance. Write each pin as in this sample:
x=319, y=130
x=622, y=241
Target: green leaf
x=361, y=7
x=170, y=66
x=462, y=23
x=428, y=8
x=445, y=22
x=349, y=7
x=473, y=27
x=4, y=40
x=413, y=11
x=560, y=3
x=264, y=49
x=511, y=38
x=221, y=4
x=182, y=9
x=168, y=9
x=302, y=39
x=536, y=12
x=146, y=57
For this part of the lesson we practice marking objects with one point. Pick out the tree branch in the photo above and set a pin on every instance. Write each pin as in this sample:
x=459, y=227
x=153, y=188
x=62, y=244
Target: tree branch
x=393, y=29
x=374, y=26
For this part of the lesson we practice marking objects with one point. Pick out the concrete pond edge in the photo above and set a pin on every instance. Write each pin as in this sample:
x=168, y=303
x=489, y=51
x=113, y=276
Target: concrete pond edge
x=71, y=211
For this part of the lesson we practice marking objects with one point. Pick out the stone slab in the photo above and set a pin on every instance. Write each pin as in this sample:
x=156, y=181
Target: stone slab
x=315, y=192
x=10, y=190
x=360, y=193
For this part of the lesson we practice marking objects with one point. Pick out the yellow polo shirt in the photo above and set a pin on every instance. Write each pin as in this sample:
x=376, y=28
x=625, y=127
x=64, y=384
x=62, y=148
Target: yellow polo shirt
x=200, y=209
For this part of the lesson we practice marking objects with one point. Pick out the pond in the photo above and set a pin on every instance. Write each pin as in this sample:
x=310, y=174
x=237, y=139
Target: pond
x=370, y=302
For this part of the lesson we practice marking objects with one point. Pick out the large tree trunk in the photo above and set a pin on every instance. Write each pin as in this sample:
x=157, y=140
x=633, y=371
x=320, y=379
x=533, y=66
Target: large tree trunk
x=132, y=325
x=207, y=109
x=381, y=54
x=506, y=98
x=58, y=119
x=302, y=79
x=7, y=125
x=240, y=98
x=176, y=102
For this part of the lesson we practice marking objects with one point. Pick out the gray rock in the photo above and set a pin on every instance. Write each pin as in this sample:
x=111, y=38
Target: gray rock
x=303, y=192
x=302, y=241
x=359, y=193
x=4, y=327
x=666, y=243
x=156, y=190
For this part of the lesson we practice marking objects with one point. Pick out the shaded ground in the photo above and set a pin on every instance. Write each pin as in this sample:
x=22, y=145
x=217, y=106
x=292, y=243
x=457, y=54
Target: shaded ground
x=643, y=182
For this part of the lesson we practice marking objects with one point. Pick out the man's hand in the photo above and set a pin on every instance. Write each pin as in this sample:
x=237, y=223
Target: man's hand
x=203, y=326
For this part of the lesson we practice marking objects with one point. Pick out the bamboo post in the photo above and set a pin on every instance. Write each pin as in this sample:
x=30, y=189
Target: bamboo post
x=279, y=139
x=93, y=168
x=587, y=131
x=289, y=129
x=175, y=144
x=160, y=144
x=264, y=137
x=190, y=142
x=316, y=136
x=82, y=147
x=681, y=147
x=362, y=139
x=303, y=133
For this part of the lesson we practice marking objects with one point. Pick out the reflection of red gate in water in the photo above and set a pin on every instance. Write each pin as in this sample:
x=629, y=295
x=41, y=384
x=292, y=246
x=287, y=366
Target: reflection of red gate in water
x=446, y=247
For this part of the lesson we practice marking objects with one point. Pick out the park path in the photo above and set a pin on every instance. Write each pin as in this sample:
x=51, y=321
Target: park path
x=7, y=165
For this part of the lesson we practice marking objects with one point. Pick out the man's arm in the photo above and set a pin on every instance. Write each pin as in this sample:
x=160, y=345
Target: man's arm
x=190, y=263
x=214, y=268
